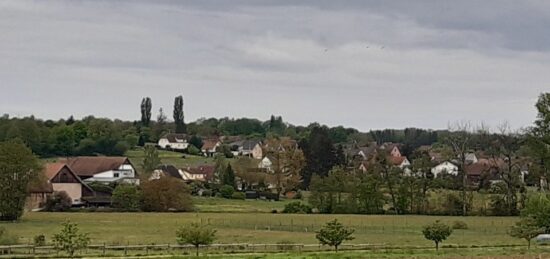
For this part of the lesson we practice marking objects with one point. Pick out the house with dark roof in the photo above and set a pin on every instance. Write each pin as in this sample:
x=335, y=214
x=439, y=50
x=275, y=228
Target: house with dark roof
x=252, y=148
x=175, y=141
x=103, y=169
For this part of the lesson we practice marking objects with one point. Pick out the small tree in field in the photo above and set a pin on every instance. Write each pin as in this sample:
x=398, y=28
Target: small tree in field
x=195, y=234
x=526, y=229
x=334, y=233
x=69, y=239
x=437, y=232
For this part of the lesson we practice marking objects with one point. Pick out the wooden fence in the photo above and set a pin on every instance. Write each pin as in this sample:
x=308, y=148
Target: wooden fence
x=23, y=251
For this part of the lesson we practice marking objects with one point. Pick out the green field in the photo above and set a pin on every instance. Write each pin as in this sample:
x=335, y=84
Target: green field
x=168, y=157
x=149, y=228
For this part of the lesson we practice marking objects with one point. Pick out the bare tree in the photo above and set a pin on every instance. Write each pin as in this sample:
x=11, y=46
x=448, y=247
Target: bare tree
x=460, y=141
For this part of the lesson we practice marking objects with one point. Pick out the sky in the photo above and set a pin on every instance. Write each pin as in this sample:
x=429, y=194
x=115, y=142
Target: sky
x=362, y=64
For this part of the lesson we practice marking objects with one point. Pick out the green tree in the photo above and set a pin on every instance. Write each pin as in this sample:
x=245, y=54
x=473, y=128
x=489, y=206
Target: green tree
x=320, y=154
x=437, y=232
x=526, y=229
x=146, y=106
x=227, y=191
x=18, y=167
x=229, y=176
x=537, y=207
x=539, y=137
x=69, y=239
x=195, y=234
x=334, y=234
x=166, y=194
x=151, y=158
x=178, y=115
x=196, y=141
x=127, y=197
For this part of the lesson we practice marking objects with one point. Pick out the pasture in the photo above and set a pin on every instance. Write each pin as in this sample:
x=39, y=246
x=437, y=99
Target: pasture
x=159, y=228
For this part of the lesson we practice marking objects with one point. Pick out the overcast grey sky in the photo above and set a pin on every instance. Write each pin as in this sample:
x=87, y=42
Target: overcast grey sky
x=363, y=64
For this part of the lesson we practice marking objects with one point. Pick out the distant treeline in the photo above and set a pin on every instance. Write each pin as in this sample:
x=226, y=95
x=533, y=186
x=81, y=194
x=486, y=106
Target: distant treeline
x=90, y=135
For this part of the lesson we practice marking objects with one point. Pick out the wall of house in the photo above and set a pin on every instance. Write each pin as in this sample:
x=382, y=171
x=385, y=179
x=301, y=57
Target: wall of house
x=36, y=200
x=257, y=152
x=74, y=190
x=445, y=167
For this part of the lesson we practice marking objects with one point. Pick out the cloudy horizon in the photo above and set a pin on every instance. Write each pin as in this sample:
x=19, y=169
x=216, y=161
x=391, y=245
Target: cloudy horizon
x=361, y=64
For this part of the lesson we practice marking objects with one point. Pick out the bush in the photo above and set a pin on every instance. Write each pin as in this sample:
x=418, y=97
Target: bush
x=192, y=150
x=207, y=193
x=460, y=225
x=59, y=201
x=227, y=191
x=39, y=240
x=297, y=207
x=127, y=197
x=285, y=245
x=238, y=196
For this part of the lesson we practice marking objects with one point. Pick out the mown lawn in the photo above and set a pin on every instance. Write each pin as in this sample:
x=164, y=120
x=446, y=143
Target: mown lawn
x=149, y=228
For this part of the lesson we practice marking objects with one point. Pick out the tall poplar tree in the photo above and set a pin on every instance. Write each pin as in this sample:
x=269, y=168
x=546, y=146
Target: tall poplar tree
x=146, y=106
x=178, y=115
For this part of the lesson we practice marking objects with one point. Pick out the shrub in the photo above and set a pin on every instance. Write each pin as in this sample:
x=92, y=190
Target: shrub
x=458, y=224
x=39, y=240
x=285, y=245
x=227, y=191
x=274, y=211
x=192, y=150
x=70, y=240
x=59, y=201
x=207, y=193
x=127, y=197
x=238, y=196
x=297, y=207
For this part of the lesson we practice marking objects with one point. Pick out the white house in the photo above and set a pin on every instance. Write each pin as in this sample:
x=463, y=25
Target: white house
x=103, y=169
x=266, y=163
x=447, y=167
x=210, y=146
x=202, y=173
x=174, y=141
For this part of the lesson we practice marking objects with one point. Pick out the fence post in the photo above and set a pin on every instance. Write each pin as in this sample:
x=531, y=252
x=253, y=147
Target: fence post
x=104, y=249
x=146, y=249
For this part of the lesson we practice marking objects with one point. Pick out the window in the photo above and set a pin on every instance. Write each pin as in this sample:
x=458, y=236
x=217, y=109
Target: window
x=115, y=175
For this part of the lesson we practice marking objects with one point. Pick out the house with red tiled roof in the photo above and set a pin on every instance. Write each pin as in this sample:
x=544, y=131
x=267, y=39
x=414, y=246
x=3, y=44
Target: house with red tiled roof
x=203, y=173
x=210, y=146
x=62, y=178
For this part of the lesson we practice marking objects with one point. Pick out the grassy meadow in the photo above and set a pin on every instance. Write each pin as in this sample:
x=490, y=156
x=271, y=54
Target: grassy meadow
x=234, y=227
x=168, y=157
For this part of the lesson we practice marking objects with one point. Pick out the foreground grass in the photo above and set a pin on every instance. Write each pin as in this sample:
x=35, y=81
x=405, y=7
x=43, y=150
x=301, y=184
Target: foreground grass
x=159, y=228
x=494, y=253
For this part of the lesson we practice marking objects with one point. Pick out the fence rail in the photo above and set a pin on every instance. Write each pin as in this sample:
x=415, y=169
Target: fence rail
x=11, y=251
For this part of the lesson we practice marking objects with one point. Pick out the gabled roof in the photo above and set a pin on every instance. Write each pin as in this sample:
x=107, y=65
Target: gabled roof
x=173, y=137
x=170, y=170
x=246, y=144
x=52, y=169
x=476, y=169
x=91, y=165
x=207, y=170
x=397, y=160
x=209, y=144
